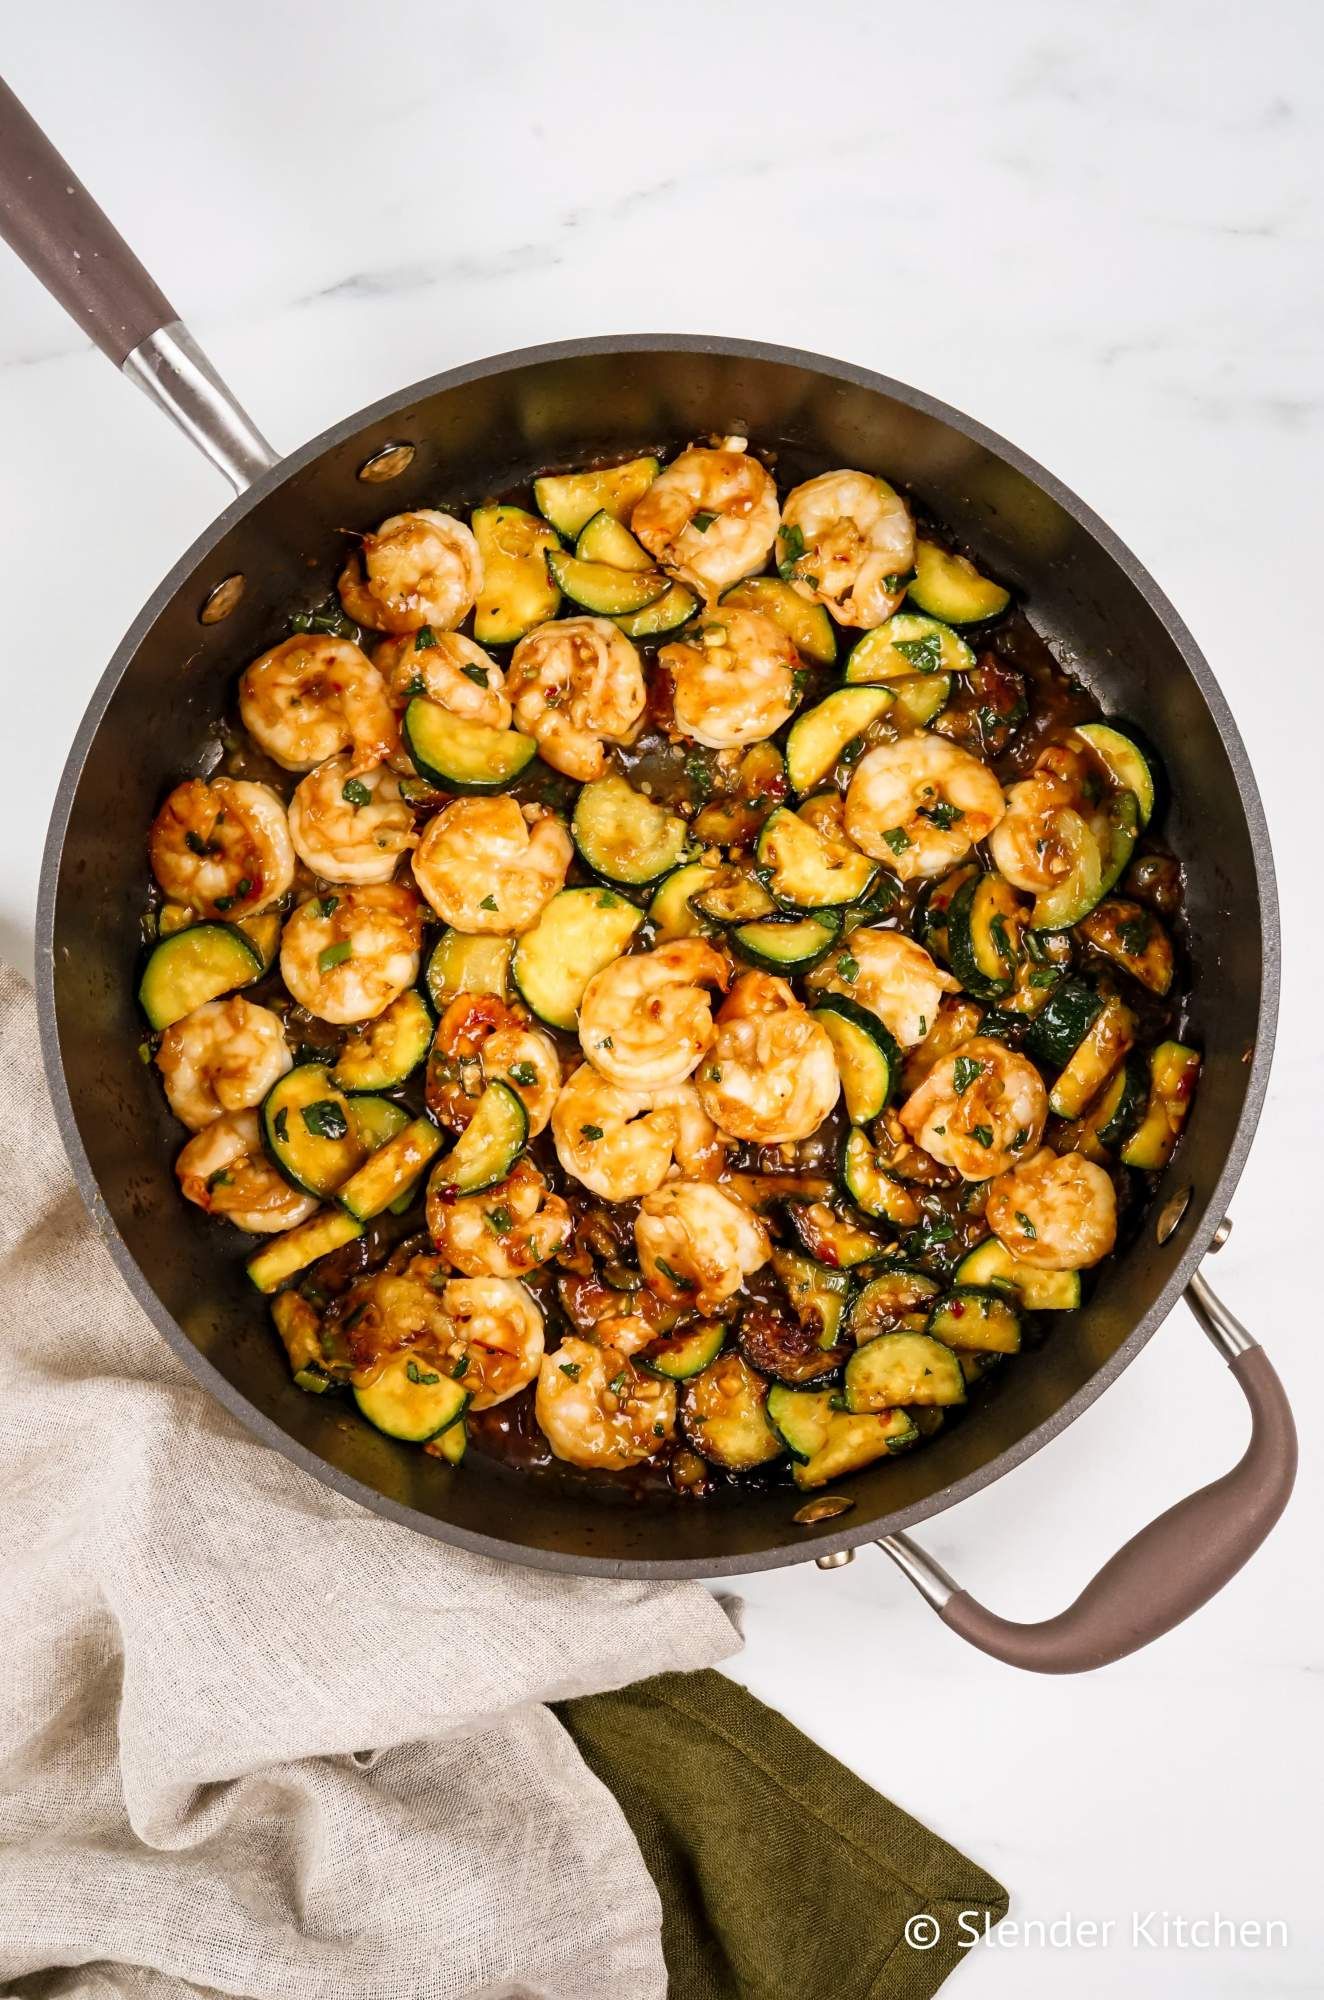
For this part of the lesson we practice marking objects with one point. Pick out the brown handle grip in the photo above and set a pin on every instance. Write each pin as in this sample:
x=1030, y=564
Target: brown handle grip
x=50, y=219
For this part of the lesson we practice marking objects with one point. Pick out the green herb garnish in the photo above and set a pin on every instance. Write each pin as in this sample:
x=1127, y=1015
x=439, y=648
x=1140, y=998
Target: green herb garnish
x=476, y=674
x=1045, y=975
x=334, y=955
x=848, y=968
x=1020, y=1139
x=1027, y=1227
x=982, y=1135
x=461, y=1369
x=221, y=1178
x=488, y=903
x=328, y=905
x=793, y=547
x=416, y=1374
x=897, y=839
x=522, y=1072
x=571, y=1368
x=424, y=638
x=498, y=1221
x=590, y=1132
x=194, y=842
x=943, y=815
x=702, y=521
x=682, y=1284
x=325, y=1119
x=355, y=793
x=1133, y=935
x=964, y=1071
x=924, y=655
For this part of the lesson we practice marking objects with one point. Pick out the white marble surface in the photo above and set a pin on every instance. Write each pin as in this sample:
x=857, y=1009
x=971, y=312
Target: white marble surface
x=1094, y=229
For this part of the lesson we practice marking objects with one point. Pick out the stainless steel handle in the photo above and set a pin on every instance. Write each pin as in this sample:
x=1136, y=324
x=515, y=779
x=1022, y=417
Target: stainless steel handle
x=172, y=369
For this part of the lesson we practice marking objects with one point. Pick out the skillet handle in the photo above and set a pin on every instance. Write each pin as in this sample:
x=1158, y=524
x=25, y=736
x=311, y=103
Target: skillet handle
x=1171, y=1567
x=50, y=219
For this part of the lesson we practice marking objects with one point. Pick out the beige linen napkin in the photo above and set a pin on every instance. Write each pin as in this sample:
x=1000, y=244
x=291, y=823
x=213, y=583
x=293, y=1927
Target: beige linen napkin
x=252, y=1738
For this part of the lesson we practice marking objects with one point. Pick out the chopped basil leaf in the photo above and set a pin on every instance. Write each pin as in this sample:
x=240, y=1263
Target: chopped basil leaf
x=606, y=1043
x=325, y=1119
x=590, y=1132
x=924, y=655
x=416, y=1374
x=224, y=903
x=702, y=521
x=488, y=903
x=522, y=1072
x=997, y=930
x=477, y=674
x=897, y=839
x=570, y=1368
x=416, y=685
x=355, y=793
x=221, y=1178
x=327, y=905
x=334, y=955
x=964, y=1071
x=619, y=1382
x=943, y=815
x=682, y=1284
x=423, y=638
x=461, y=1369
x=1045, y=975
x=194, y=842
x=793, y=547
x=923, y=1026
x=848, y=968
x=1027, y=1227
x=982, y=1134
x=897, y=580
x=1133, y=935
x=498, y=1221
x=1020, y=1139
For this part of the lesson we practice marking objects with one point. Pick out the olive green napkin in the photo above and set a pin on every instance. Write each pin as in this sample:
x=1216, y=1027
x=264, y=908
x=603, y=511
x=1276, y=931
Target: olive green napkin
x=781, y=1873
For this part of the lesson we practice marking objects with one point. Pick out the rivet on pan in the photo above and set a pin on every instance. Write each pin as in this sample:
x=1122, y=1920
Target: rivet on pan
x=388, y=463
x=837, y=1560
x=826, y=1508
x=1171, y=1213
x=221, y=601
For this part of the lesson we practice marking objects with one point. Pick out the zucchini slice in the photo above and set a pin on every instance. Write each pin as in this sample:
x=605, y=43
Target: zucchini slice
x=783, y=1348
x=411, y=1399
x=612, y=593
x=669, y=912
x=1121, y=1106
x=680, y=1355
x=1131, y=768
x=731, y=895
x=804, y=871
x=309, y=1130
x=393, y=1169
x=299, y=1325
x=991, y=1263
x=818, y=737
x=827, y=1442
x=722, y=1415
x=873, y=1191
x=984, y=926
x=193, y=966
x=898, y=1300
x=1094, y=1059
x=1100, y=851
x=461, y=963
x=295, y=1249
x=1173, y=1072
x=979, y=1317
x=489, y=1145
x=667, y=613
x=1063, y=1022
x=604, y=539
x=896, y=1369
x=450, y=1444
x=463, y=756
x=517, y=591
x=949, y=587
x=831, y=1238
x=905, y=645
x=1134, y=939
x=787, y=944
x=570, y=500
x=816, y=1293
x=868, y=1060
x=806, y=625
x=579, y=931
x=920, y=697
x=263, y=932
x=623, y=835
x=384, y=1052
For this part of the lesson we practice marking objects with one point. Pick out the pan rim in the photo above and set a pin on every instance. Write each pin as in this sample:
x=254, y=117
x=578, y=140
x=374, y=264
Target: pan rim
x=808, y=1546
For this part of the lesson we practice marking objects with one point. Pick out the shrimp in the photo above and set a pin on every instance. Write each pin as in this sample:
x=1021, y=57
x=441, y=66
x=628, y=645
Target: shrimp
x=347, y=828
x=486, y=1330
x=501, y=1330
x=697, y=1244
x=645, y=1020
x=1055, y=1211
x=623, y=1143
x=771, y=1074
x=347, y=955
x=736, y=678
x=224, y=1056
x=484, y=867
x=978, y=1109
x=851, y=543
x=710, y=516
x=479, y=1040
x=225, y=1170
x=920, y=804
x=892, y=976
x=1036, y=844
x=312, y=697
x=421, y=568
x=446, y=668
x=503, y=1232
x=596, y=1409
x=222, y=847
x=575, y=684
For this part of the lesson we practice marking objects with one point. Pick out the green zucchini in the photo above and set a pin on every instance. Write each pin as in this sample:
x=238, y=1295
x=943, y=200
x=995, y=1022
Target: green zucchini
x=611, y=593
x=1100, y=851
x=1131, y=768
x=949, y=587
x=295, y=1249
x=299, y=1325
x=578, y=932
x=1055, y=1033
x=1134, y=939
x=806, y=872
x=262, y=931
x=667, y=613
x=1173, y=1072
x=461, y=963
x=984, y=925
x=383, y=1053
x=411, y=1399
x=906, y=645
x=979, y=1317
x=991, y=1263
x=604, y=539
x=450, y=1444
x=827, y=1442
x=1094, y=1059
x=393, y=1170
x=489, y=1145
x=832, y=1238
x=193, y=966
x=788, y=944
x=899, y=1299
x=722, y=1415
x=783, y=1348
x=1122, y=1104
x=873, y=1191
x=679, y=1355
x=731, y=895
x=818, y=737
x=816, y=1293
x=920, y=697
x=625, y=836
x=670, y=913
x=868, y=1059
x=309, y=1130
x=464, y=756
x=806, y=625
x=896, y=1369
x=570, y=500
x=517, y=591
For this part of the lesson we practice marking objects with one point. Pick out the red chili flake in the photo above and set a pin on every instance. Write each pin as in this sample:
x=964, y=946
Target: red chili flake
x=1185, y=1083
x=773, y=787
x=447, y=1193
x=956, y=1309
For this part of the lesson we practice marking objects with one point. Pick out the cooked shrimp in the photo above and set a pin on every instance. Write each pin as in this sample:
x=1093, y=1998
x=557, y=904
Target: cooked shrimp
x=420, y=568
x=771, y=1075
x=851, y=542
x=920, y=804
x=736, y=678
x=623, y=1143
x=503, y=1232
x=226, y=1171
x=446, y=668
x=484, y=867
x=697, y=1244
x=1036, y=844
x=575, y=684
x=224, y=1056
x=978, y=1110
x=479, y=1040
x=222, y=846
x=487, y=1331
x=349, y=828
x=1058, y=1212
x=501, y=1331
x=596, y=1409
x=645, y=1020
x=312, y=697
x=892, y=976
x=710, y=516
x=347, y=955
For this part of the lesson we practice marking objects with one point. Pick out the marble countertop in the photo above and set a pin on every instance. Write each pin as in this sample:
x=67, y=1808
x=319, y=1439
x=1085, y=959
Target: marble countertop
x=1095, y=232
